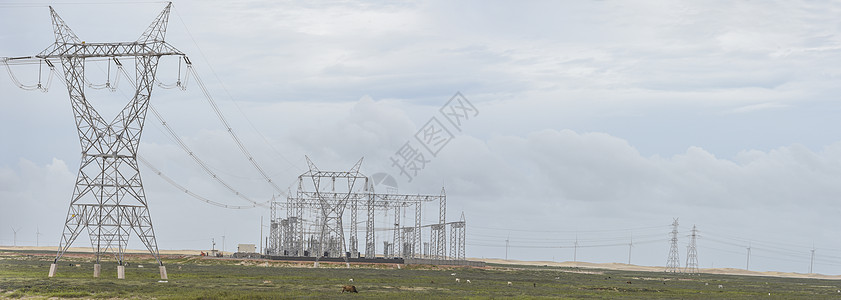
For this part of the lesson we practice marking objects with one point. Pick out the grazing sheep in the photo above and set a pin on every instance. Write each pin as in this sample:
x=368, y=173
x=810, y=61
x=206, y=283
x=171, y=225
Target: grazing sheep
x=720, y=286
x=457, y=280
x=349, y=289
x=468, y=281
x=628, y=282
x=535, y=284
x=453, y=274
x=350, y=280
x=509, y=283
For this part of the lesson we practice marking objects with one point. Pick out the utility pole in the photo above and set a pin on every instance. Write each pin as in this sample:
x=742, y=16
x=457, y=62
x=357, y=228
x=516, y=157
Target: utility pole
x=506, y=246
x=630, y=245
x=812, y=261
x=223, y=245
x=747, y=266
x=261, y=235
x=15, y=240
x=575, y=251
x=37, y=235
x=673, y=263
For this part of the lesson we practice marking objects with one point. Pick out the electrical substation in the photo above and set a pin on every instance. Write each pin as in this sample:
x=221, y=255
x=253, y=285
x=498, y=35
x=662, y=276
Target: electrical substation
x=326, y=196
x=109, y=201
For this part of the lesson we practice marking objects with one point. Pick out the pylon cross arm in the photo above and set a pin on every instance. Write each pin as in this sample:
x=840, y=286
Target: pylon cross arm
x=93, y=50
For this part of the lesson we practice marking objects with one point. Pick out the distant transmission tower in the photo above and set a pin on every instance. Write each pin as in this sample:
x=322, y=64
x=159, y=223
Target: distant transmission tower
x=673, y=264
x=692, y=253
x=108, y=199
x=506, y=246
x=747, y=265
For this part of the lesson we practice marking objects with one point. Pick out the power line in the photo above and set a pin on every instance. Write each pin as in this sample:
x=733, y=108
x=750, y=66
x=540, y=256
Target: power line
x=224, y=88
x=195, y=158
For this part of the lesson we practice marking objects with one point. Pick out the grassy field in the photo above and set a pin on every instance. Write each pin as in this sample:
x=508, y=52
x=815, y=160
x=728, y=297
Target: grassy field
x=24, y=275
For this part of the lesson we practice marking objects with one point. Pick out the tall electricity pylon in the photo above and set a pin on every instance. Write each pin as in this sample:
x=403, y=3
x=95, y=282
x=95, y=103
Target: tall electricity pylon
x=108, y=199
x=673, y=264
x=692, y=253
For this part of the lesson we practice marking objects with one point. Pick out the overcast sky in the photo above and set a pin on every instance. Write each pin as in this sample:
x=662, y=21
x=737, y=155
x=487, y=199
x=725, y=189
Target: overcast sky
x=601, y=120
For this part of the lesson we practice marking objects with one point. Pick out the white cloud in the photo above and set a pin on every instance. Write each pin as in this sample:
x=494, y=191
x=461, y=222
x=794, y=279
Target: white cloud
x=592, y=114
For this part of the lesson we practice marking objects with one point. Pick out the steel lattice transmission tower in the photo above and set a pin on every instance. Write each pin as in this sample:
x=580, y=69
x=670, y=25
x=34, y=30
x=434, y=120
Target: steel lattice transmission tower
x=332, y=204
x=108, y=198
x=692, y=253
x=673, y=264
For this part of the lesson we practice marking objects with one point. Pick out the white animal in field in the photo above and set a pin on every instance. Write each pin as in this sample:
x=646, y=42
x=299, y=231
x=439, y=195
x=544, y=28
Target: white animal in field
x=509, y=283
x=468, y=281
x=350, y=280
x=453, y=274
x=458, y=280
x=720, y=286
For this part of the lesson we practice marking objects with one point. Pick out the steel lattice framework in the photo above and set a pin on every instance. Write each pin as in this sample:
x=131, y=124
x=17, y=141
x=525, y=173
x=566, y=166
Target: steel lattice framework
x=692, y=253
x=673, y=264
x=317, y=190
x=108, y=199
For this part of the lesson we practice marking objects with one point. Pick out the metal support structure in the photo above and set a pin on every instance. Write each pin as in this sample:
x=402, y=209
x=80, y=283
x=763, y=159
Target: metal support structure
x=673, y=264
x=325, y=192
x=453, y=242
x=692, y=253
x=461, y=243
x=416, y=233
x=395, y=241
x=108, y=198
x=370, y=246
x=440, y=231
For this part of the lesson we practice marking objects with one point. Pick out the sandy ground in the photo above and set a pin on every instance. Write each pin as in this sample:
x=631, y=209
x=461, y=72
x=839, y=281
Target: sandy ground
x=90, y=250
x=627, y=267
x=583, y=265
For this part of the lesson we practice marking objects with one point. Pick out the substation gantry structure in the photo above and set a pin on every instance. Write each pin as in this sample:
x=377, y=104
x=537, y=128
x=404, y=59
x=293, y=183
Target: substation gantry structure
x=108, y=198
x=328, y=194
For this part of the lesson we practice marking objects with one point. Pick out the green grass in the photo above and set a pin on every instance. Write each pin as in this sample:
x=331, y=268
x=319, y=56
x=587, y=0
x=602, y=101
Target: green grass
x=24, y=275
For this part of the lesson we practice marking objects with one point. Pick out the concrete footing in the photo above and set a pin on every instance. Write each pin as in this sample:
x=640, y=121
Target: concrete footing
x=97, y=268
x=163, y=272
x=121, y=272
x=52, y=270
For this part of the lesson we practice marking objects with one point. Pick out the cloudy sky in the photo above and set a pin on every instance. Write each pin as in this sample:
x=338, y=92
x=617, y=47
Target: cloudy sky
x=599, y=120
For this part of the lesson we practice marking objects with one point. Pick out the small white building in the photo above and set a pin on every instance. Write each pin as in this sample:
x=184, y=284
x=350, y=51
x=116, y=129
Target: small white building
x=247, y=248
